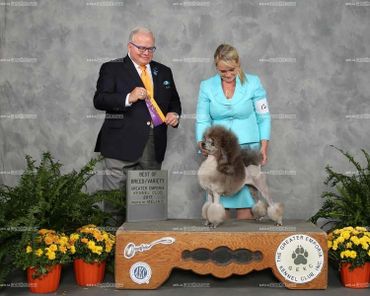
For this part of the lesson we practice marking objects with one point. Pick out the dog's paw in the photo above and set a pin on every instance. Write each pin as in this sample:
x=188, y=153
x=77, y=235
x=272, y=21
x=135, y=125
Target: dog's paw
x=207, y=223
x=213, y=226
x=216, y=214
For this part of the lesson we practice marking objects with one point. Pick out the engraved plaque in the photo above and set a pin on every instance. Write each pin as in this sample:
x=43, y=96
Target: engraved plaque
x=146, y=193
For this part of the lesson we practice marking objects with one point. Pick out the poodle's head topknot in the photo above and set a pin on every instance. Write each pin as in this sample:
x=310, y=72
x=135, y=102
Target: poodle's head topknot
x=222, y=143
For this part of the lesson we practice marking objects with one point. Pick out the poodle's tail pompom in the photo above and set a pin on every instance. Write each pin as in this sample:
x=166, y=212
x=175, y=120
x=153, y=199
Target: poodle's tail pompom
x=251, y=157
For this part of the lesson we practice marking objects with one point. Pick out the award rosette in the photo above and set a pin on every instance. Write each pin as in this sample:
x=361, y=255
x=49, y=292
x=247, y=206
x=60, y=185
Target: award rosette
x=155, y=112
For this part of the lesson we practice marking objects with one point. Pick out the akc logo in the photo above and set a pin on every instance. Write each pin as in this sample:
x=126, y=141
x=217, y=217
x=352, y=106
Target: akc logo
x=140, y=273
x=299, y=258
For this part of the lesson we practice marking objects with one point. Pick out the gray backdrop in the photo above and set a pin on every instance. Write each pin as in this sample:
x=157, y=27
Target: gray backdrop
x=312, y=57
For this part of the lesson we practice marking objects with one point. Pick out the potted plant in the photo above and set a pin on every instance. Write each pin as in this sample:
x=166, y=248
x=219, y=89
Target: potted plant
x=42, y=255
x=44, y=197
x=350, y=247
x=347, y=205
x=91, y=247
x=348, y=201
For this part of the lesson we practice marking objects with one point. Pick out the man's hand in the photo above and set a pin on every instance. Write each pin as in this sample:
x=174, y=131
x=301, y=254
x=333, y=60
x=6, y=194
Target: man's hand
x=138, y=93
x=172, y=119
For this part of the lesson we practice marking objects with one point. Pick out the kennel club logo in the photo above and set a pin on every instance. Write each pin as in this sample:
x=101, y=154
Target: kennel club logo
x=140, y=273
x=299, y=258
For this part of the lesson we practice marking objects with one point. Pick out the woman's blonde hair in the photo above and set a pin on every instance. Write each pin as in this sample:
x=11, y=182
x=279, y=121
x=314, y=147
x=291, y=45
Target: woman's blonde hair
x=229, y=56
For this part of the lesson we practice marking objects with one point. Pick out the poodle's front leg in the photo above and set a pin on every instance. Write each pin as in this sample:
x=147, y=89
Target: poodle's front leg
x=216, y=212
x=206, y=206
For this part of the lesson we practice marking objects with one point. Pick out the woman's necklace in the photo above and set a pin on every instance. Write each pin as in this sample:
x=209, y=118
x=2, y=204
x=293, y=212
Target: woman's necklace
x=228, y=89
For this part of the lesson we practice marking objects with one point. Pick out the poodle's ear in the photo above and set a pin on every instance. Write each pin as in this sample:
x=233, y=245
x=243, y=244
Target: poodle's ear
x=224, y=163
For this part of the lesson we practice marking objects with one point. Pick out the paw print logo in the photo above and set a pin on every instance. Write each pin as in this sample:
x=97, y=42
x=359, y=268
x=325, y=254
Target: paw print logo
x=299, y=255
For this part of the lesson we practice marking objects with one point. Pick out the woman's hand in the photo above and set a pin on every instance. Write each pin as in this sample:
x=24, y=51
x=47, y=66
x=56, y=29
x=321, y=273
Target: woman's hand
x=264, y=148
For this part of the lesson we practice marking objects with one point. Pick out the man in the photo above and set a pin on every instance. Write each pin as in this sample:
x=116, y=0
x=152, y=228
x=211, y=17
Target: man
x=131, y=137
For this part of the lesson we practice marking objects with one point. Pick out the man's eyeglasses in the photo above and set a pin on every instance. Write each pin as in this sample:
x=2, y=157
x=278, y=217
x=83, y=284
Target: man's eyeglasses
x=143, y=49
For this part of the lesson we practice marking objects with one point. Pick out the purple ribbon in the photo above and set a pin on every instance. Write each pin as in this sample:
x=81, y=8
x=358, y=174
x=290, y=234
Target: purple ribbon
x=156, y=119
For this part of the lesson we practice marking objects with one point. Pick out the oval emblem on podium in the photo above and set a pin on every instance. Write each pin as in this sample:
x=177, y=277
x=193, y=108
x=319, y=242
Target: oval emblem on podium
x=299, y=258
x=140, y=273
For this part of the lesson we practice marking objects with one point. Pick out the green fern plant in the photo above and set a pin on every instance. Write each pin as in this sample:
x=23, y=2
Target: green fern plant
x=46, y=198
x=349, y=204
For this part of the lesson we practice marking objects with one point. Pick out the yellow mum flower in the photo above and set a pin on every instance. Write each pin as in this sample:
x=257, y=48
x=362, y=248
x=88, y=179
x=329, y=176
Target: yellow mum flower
x=345, y=234
x=74, y=236
x=48, y=240
x=355, y=240
x=91, y=245
x=51, y=255
x=348, y=245
x=340, y=239
x=73, y=249
x=89, y=226
x=45, y=231
x=39, y=252
x=98, y=236
x=63, y=240
x=84, y=240
x=108, y=248
x=105, y=236
x=97, y=250
x=363, y=240
x=359, y=228
x=112, y=238
x=335, y=246
x=28, y=249
x=53, y=247
x=353, y=254
x=63, y=249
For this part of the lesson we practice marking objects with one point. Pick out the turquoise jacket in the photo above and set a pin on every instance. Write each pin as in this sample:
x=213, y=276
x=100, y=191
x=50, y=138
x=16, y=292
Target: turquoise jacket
x=246, y=113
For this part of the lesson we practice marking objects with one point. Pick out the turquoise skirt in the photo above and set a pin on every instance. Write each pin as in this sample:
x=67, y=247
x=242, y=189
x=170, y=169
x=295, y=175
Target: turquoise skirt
x=243, y=198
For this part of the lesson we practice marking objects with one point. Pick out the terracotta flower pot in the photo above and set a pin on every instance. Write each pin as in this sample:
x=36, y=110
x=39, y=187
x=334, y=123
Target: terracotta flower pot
x=88, y=274
x=47, y=283
x=357, y=278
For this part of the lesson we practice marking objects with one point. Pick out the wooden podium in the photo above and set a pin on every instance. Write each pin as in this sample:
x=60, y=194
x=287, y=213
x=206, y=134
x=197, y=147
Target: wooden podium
x=146, y=252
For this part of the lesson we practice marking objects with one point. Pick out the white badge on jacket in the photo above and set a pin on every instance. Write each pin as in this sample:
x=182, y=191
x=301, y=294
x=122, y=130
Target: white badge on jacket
x=261, y=106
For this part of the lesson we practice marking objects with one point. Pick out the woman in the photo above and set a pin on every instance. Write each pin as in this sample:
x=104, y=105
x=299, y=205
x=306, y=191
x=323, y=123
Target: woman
x=238, y=102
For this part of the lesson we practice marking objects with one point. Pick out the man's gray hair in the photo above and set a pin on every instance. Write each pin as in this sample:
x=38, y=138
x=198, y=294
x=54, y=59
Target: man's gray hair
x=139, y=30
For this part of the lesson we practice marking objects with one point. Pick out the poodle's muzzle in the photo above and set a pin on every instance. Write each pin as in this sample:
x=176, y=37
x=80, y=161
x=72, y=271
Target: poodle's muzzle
x=208, y=145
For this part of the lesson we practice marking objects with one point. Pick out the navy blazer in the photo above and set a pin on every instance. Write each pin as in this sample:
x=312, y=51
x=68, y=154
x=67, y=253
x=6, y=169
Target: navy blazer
x=125, y=130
